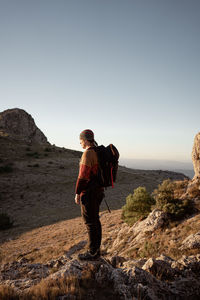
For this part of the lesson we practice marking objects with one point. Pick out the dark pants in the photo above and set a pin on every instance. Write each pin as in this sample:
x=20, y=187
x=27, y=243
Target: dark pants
x=90, y=204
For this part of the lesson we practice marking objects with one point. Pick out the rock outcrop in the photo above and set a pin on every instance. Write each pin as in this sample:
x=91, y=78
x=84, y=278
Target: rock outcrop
x=159, y=278
x=129, y=237
x=196, y=156
x=112, y=276
x=191, y=242
x=18, y=124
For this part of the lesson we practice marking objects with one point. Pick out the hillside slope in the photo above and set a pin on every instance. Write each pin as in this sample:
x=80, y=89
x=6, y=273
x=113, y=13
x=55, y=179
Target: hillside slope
x=145, y=261
x=153, y=259
x=37, y=184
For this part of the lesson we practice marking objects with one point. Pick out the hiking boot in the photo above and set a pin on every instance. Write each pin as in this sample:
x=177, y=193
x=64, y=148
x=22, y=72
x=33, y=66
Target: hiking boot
x=89, y=256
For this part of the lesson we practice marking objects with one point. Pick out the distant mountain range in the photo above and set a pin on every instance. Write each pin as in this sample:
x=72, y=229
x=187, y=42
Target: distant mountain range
x=154, y=164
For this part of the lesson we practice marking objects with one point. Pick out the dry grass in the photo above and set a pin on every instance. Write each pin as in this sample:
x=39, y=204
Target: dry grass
x=45, y=290
x=51, y=242
x=49, y=289
x=189, y=189
x=8, y=293
x=167, y=240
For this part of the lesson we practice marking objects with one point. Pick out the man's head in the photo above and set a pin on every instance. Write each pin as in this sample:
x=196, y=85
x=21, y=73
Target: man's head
x=86, y=138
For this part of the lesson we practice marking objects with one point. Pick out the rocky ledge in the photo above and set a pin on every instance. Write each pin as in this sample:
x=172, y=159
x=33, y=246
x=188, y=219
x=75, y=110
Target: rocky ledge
x=114, y=275
x=159, y=278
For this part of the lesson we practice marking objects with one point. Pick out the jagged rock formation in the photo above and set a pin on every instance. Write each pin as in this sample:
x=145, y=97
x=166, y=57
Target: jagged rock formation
x=18, y=124
x=196, y=156
x=136, y=235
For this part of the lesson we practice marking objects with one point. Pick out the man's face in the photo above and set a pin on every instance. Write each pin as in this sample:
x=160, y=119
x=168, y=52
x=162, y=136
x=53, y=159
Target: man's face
x=83, y=143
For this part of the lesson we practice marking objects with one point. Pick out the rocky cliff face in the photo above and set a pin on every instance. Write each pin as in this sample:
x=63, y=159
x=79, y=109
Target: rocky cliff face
x=18, y=124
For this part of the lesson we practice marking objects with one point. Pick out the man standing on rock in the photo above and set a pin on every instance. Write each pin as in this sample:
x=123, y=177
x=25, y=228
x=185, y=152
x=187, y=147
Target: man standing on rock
x=196, y=156
x=89, y=194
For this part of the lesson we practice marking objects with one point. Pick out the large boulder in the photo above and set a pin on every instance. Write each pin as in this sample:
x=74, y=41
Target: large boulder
x=18, y=124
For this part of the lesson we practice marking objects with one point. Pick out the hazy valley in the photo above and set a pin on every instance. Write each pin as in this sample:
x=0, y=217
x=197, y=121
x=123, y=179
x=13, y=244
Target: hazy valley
x=156, y=164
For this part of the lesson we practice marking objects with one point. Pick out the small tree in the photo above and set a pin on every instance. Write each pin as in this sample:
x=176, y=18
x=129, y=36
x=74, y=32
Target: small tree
x=167, y=202
x=138, y=205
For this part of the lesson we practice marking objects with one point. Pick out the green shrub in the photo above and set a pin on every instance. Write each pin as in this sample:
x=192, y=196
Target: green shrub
x=6, y=169
x=149, y=249
x=33, y=154
x=5, y=221
x=138, y=205
x=167, y=202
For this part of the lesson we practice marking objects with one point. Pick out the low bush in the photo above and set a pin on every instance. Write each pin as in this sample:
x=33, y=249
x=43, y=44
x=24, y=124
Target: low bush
x=6, y=169
x=33, y=154
x=194, y=190
x=167, y=202
x=149, y=249
x=138, y=206
x=180, y=188
x=47, y=149
x=5, y=221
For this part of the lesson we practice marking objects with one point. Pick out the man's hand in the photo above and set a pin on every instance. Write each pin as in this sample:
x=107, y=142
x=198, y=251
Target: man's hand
x=77, y=199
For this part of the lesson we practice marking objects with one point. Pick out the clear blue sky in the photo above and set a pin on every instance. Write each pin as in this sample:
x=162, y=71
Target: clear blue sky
x=129, y=70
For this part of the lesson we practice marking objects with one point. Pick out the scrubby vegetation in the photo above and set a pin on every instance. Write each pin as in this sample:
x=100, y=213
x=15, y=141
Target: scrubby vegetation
x=165, y=196
x=6, y=168
x=33, y=154
x=47, y=149
x=5, y=221
x=194, y=191
x=138, y=206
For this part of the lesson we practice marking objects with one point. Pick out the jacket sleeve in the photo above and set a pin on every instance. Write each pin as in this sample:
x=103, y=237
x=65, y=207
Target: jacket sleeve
x=84, y=173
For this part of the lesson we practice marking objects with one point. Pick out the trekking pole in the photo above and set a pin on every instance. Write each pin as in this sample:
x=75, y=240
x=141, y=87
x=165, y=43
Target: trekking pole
x=107, y=206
